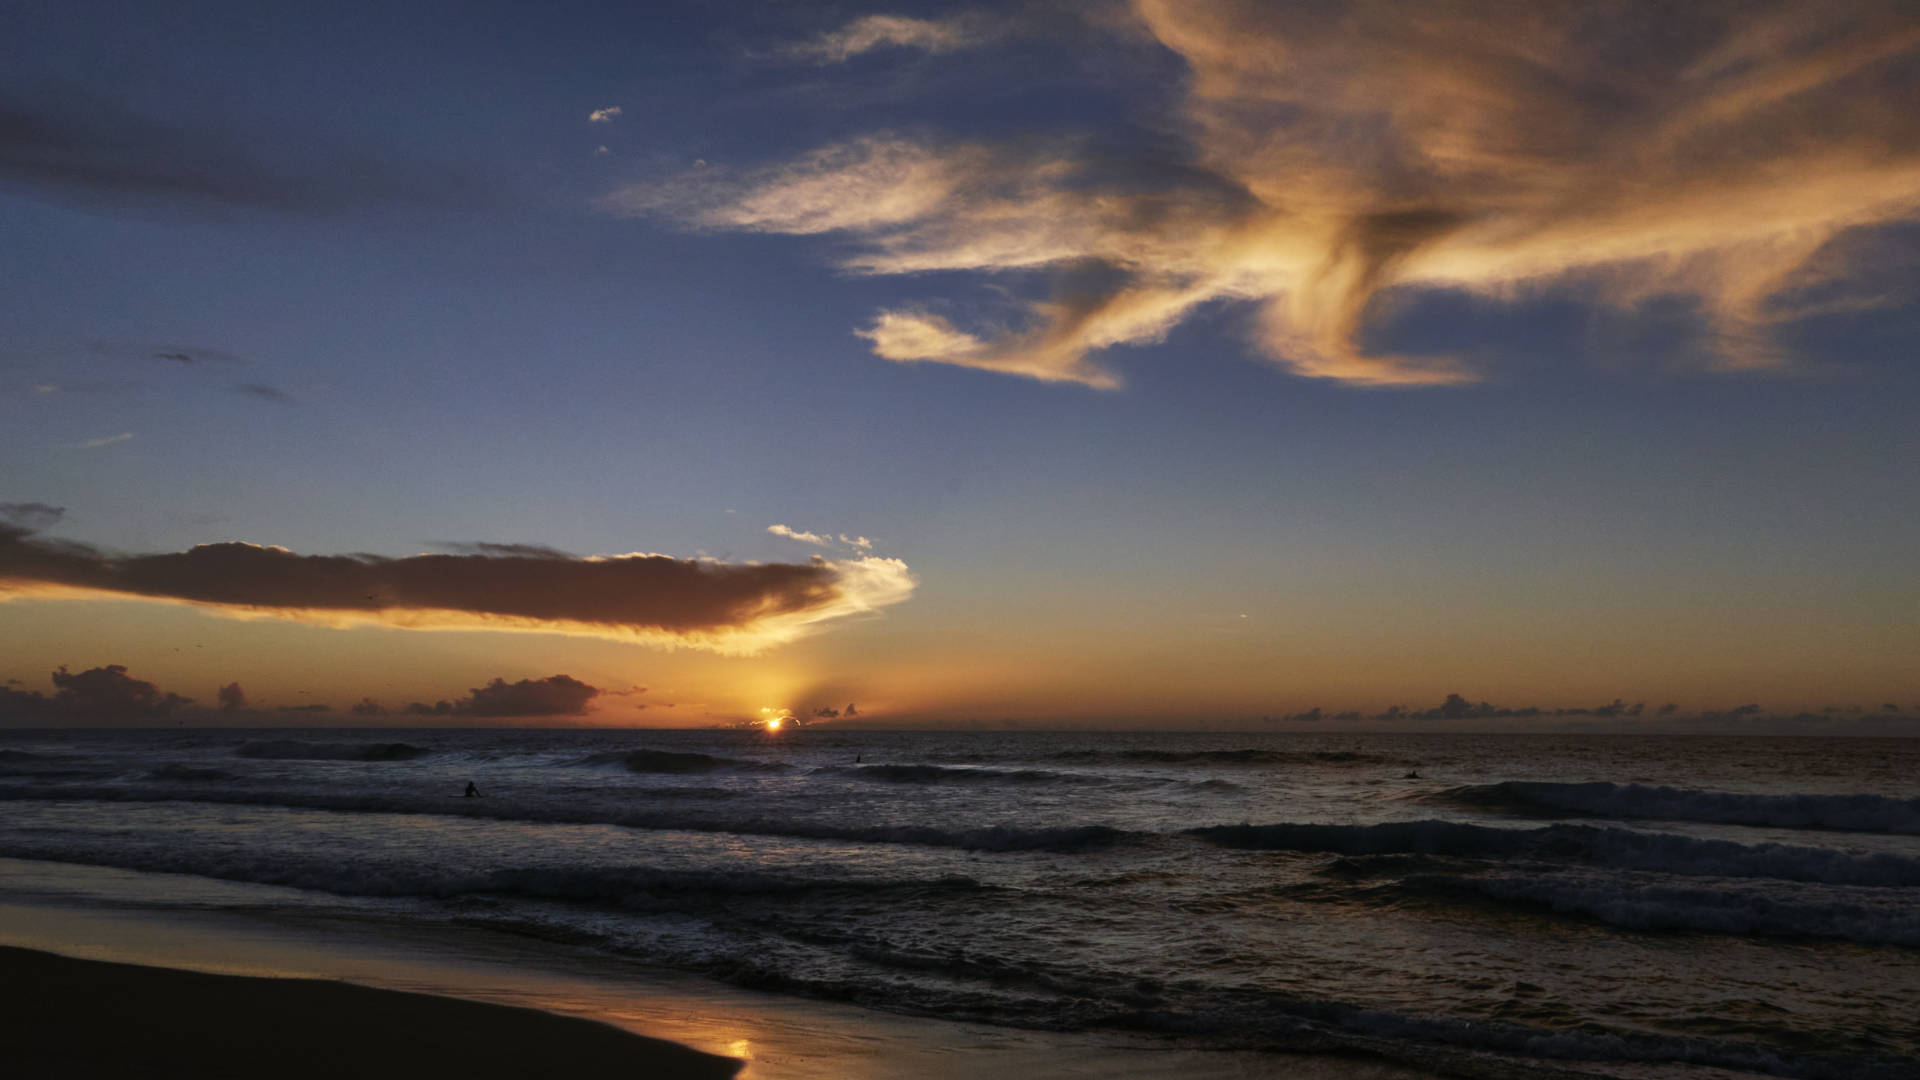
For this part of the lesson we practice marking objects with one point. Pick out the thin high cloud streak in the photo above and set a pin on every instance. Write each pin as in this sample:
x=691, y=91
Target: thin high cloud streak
x=104, y=440
x=56, y=366
x=1332, y=152
x=67, y=144
x=653, y=599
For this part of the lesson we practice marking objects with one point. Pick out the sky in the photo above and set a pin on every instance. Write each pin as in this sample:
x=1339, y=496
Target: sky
x=1130, y=364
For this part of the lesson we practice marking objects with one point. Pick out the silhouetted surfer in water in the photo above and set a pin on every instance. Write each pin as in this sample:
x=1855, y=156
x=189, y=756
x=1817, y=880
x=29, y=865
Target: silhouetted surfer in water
x=472, y=792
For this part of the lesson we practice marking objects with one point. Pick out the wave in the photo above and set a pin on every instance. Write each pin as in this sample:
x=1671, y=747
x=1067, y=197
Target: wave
x=289, y=749
x=677, y=763
x=610, y=811
x=620, y=887
x=1852, y=813
x=944, y=774
x=1223, y=757
x=1615, y=848
x=176, y=771
x=1864, y=915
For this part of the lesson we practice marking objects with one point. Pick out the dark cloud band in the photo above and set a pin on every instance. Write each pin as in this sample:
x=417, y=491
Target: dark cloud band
x=653, y=598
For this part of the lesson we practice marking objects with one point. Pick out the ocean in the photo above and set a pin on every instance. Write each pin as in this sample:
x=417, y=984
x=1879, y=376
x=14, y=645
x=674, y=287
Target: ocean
x=1626, y=905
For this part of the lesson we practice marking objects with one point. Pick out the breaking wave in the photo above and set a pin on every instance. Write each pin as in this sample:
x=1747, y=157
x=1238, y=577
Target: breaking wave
x=1223, y=757
x=305, y=751
x=1852, y=813
x=945, y=774
x=676, y=763
x=1868, y=916
x=192, y=773
x=628, y=886
x=1615, y=848
x=612, y=811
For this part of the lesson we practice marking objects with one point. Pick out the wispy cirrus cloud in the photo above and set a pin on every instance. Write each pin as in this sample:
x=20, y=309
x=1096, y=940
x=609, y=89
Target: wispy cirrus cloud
x=1327, y=154
x=264, y=392
x=104, y=440
x=135, y=366
x=968, y=30
x=69, y=144
x=27, y=517
x=651, y=599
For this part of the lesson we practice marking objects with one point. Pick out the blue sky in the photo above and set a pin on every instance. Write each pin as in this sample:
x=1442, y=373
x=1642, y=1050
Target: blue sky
x=1158, y=402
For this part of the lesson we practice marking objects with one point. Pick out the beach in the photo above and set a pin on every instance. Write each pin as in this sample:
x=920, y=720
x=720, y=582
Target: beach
x=216, y=993
x=91, y=1018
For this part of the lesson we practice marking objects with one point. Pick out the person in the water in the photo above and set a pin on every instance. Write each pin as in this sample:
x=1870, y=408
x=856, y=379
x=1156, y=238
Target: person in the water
x=472, y=792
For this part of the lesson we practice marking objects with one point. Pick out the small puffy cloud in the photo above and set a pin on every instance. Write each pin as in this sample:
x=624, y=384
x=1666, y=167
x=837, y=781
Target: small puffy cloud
x=109, y=693
x=795, y=534
x=102, y=695
x=869, y=32
x=367, y=707
x=859, y=542
x=559, y=695
x=604, y=116
x=231, y=697
x=1328, y=155
x=653, y=599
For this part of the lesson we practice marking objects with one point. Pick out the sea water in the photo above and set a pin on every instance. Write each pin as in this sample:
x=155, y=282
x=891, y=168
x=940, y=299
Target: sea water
x=1619, y=902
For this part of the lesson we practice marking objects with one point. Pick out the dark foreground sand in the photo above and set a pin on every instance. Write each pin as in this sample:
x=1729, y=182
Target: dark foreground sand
x=61, y=1017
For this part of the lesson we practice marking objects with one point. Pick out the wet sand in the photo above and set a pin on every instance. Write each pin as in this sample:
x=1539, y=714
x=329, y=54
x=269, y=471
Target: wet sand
x=68, y=1017
x=78, y=912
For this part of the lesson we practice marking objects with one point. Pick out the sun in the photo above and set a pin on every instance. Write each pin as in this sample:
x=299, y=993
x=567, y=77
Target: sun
x=774, y=723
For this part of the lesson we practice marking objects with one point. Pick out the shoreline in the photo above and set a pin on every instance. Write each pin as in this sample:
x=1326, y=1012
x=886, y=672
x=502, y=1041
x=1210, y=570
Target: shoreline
x=92, y=1017
x=96, y=914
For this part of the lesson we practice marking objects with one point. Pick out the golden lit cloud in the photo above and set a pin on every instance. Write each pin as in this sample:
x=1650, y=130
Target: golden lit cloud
x=1713, y=151
x=652, y=599
x=796, y=534
x=964, y=31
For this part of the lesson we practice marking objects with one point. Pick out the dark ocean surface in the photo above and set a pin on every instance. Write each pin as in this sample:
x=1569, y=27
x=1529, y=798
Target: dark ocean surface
x=1637, y=904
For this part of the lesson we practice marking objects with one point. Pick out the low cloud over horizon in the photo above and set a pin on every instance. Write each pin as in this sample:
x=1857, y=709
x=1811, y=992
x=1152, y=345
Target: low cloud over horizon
x=1734, y=156
x=646, y=598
